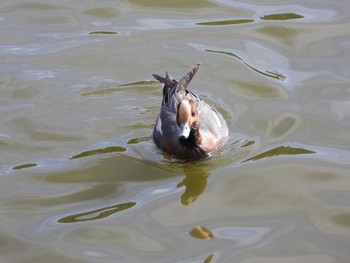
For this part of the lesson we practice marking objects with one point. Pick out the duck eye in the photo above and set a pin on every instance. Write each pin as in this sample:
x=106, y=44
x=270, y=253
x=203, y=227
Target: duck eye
x=193, y=114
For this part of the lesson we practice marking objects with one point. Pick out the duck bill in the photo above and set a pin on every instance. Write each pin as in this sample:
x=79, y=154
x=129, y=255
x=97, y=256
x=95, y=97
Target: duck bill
x=184, y=130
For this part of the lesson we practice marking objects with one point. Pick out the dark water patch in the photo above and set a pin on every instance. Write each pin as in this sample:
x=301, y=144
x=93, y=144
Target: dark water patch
x=138, y=140
x=3, y=144
x=285, y=16
x=23, y=166
x=342, y=220
x=281, y=150
x=225, y=22
x=266, y=73
x=248, y=143
x=103, y=33
x=111, y=149
x=210, y=258
x=96, y=214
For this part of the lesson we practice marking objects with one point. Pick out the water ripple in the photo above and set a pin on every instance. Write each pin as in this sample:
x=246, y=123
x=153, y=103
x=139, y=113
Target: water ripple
x=40, y=49
x=96, y=214
x=231, y=53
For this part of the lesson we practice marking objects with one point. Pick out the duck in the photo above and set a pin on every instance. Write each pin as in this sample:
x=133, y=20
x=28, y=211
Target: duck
x=187, y=127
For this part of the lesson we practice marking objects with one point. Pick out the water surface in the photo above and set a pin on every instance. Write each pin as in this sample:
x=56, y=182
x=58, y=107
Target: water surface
x=81, y=179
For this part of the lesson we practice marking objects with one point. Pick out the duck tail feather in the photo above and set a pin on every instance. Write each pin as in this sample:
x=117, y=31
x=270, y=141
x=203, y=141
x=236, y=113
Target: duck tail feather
x=168, y=80
x=183, y=83
x=159, y=78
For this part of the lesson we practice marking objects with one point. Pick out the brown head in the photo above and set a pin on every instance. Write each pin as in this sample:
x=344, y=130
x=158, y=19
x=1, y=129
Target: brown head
x=188, y=121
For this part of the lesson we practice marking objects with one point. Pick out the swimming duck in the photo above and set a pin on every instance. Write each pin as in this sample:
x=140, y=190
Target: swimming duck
x=187, y=127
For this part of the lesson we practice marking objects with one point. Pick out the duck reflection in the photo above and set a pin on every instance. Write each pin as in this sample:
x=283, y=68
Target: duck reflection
x=201, y=232
x=195, y=182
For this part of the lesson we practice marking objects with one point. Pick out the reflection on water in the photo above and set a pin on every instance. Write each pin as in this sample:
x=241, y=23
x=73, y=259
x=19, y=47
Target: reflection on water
x=201, y=232
x=195, y=182
x=97, y=214
x=210, y=258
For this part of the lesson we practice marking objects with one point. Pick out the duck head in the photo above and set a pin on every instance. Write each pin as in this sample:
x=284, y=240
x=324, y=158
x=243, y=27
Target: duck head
x=188, y=121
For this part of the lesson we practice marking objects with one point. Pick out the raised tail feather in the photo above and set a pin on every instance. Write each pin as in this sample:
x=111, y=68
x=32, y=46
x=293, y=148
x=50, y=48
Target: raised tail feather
x=169, y=83
x=183, y=83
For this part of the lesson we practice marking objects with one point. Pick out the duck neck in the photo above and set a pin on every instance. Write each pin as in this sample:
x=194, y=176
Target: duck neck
x=194, y=139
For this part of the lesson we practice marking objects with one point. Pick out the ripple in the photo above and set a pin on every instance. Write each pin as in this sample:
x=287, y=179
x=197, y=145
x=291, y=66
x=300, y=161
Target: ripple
x=233, y=54
x=40, y=49
x=110, y=88
x=111, y=149
x=308, y=11
x=23, y=166
x=96, y=214
x=285, y=16
x=138, y=140
x=103, y=33
x=225, y=22
x=266, y=73
x=281, y=150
